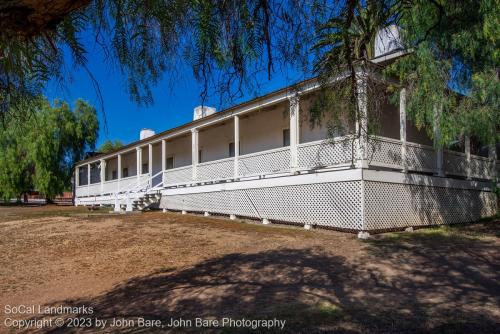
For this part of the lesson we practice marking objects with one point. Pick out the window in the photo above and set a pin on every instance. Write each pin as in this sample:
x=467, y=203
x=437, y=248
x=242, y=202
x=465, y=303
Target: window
x=200, y=155
x=114, y=175
x=82, y=176
x=170, y=162
x=286, y=137
x=125, y=172
x=231, y=150
x=145, y=168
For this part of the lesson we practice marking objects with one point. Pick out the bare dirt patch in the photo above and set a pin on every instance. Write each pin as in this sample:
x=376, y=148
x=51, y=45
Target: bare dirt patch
x=160, y=266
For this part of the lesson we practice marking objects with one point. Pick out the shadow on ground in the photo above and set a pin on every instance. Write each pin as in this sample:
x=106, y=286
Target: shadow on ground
x=402, y=283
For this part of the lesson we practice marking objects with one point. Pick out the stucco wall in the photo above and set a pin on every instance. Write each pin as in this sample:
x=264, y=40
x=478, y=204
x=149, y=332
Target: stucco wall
x=180, y=149
x=214, y=141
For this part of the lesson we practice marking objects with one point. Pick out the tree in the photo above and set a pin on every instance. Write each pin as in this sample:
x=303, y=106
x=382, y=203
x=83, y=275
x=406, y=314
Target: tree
x=148, y=40
x=454, y=48
x=453, y=67
x=39, y=154
x=109, y=146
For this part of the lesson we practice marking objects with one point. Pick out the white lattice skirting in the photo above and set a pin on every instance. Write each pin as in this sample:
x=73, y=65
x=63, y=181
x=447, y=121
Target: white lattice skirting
x=347, y=199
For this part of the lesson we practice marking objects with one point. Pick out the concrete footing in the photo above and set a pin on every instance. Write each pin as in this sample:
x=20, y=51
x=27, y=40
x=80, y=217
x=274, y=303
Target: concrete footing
x=409, y=229
x=307, y=226
x=266, y=221
x=206, y=214
x=363, y=235
x=184, y=212
x=164, y=210
x=232, y=217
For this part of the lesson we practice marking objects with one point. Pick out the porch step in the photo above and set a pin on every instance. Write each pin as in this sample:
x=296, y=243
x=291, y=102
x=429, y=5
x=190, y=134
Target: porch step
x=142, y=203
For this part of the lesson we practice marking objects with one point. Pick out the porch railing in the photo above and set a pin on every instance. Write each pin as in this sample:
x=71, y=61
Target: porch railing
x=265, y=162
x=387, y=152
x=383, y=152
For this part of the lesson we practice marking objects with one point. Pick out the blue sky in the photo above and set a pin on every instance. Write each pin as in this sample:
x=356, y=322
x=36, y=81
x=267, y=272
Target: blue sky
x=124, y=118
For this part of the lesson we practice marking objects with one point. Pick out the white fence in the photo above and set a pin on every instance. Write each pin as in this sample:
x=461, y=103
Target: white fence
x=109, y=187
x=178, y=175
x=217, y=169
x=387, y=152
x=383, y=152
x=325, y=153
x=265, y=162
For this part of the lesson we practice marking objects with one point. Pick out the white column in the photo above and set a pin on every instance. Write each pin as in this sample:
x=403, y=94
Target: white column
x=139, y=163
x=362, y=120
x=150, y=159
x=492, y=154
x=467, y=157
x=88, y=179
x=119, y=169
x=437, y=141
x=294, y=131
x=236, y=145
x=77, y=177
x=194, y=151
x=163, y=159
x=402, y=128
x=103, y=174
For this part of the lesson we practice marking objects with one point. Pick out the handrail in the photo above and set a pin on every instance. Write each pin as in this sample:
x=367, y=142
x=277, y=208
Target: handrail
x=145, y=181
x=135, y=186
x=326, y=141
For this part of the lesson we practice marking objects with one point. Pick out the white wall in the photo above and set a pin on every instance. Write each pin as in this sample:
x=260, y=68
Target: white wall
x=263, y=130
x=111, y=165
x=180, y=149
x=214, y=141
x=259, y=131
x=129, y=160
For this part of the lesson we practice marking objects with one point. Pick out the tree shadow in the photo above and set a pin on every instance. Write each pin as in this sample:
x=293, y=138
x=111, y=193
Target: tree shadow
x=392, y=287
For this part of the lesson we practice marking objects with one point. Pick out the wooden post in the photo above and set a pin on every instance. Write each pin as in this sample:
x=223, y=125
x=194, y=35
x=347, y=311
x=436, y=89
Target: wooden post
x=150, y=159
x=119, y=169
x=194, y=152
x=103, y=174
x=437, y=141
x=294, y=131
x=402, y=128
x=236, y=145
x=467, y=157
x=362, y=120
x=163, y=159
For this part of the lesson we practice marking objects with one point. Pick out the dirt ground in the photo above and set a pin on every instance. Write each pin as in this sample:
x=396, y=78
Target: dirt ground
x=163, y=266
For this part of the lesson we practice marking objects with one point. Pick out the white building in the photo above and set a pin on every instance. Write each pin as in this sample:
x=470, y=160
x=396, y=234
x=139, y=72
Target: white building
x=262, y=160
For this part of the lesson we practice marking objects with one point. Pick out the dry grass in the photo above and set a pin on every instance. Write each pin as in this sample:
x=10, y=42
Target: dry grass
x=168, y=265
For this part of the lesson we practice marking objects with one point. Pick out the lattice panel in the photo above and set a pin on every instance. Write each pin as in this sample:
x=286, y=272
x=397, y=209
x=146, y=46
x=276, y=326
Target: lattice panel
x=391, y=205
x=385, y=152
x=267, y=162
x=324, y=153
x=420, y=158
x=216, y=170
x=328, y=204
x=480, y=167
x=455, y=163
x=178, y=175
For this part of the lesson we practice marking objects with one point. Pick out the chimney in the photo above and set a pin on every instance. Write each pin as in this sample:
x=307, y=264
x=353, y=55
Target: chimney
x=387, y=41
x=146, y=133
x=202, y=111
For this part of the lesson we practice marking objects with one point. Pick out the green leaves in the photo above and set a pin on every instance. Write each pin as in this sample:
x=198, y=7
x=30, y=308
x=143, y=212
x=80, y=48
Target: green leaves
x=454, y=64
x=39, y=153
